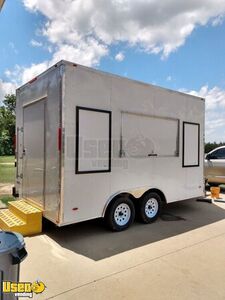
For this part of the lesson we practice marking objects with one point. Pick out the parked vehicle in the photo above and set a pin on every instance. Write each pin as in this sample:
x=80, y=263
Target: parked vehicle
x=92, y=144
x=215, y=166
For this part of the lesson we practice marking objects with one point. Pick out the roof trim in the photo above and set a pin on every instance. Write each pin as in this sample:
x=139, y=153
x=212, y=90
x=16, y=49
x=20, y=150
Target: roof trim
x=65, y=62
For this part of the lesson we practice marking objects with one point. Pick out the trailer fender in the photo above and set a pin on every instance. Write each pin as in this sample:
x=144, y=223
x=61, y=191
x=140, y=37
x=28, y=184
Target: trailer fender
x=134, y=194
x=114, y=196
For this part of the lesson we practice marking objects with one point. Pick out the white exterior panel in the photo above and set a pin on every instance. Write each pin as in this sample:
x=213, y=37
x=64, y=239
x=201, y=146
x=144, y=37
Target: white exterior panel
x=92, y=191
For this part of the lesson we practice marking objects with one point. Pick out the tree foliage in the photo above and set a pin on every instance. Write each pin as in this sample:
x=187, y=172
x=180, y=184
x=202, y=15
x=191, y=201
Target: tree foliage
x=7, y=125
x=210, y=146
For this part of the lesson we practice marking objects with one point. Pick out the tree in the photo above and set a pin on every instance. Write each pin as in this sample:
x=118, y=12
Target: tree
x=7, y=125
x=210, y=146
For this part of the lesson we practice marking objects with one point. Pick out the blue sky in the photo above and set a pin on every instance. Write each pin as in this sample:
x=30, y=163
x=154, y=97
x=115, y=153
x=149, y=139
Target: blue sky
x=182, y=48
x=18, y=27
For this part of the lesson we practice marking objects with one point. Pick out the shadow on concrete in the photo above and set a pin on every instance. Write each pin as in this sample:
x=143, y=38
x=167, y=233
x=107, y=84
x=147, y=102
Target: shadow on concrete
x=92, y=239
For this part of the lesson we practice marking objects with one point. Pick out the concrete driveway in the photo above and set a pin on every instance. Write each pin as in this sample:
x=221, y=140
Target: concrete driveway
x=181, y=256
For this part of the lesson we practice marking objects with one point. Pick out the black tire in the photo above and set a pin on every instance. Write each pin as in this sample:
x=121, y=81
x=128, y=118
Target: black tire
x=154, y=209
x=118, y=222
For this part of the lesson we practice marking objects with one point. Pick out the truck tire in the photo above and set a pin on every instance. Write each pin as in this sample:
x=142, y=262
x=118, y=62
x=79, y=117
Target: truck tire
x=149, y=207
x=120, y=214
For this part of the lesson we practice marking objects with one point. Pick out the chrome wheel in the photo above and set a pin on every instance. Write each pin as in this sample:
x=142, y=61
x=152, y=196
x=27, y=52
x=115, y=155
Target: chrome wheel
x=122, y=214
x=151, y=208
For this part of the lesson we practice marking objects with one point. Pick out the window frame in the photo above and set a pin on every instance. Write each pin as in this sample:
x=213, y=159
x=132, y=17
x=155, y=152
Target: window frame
x=158, y=117
x=77, y=171
x=183, y=146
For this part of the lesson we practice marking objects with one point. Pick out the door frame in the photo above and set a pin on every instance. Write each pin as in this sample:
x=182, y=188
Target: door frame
x=44, y=98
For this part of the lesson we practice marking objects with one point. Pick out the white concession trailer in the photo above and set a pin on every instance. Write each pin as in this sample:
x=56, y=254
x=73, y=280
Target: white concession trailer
x=91, y=144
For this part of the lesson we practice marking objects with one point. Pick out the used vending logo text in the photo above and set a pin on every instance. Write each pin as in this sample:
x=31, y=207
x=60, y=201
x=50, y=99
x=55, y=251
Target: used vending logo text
x=23, y=289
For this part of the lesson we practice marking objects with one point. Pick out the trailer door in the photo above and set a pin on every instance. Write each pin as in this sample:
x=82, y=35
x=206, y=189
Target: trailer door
x=34, y=152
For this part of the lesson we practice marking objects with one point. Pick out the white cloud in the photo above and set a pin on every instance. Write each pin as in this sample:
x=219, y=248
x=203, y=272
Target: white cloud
x=154, y=26
x=35, y=43
x=13, y=48
x=83, y=31
x=169, y=78
x=218, y=20
x=215, y=112
x=85, y=52
x=14, y=75
x=119, y=56
x=30, y=72
x=215, y=97
x=20, y=75
x=6, y=88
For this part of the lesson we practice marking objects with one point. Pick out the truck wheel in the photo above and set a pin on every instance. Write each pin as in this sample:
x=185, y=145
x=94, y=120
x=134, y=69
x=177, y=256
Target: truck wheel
x=149, y=207
x=120, y=214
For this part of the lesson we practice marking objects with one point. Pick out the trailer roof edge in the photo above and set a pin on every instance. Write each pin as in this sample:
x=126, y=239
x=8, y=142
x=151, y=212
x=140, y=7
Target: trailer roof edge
x=65, y=62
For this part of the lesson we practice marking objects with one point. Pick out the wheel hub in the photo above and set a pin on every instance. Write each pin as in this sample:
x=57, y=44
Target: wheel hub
x=122, y=214
x=151, y=207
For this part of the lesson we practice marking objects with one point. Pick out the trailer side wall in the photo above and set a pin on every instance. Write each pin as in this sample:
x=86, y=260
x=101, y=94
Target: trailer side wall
x=86, y=194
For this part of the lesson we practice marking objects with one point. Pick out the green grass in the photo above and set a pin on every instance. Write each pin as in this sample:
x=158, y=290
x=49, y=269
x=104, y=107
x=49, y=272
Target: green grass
x=5, y=199
x=7, y=159
x=7, y=169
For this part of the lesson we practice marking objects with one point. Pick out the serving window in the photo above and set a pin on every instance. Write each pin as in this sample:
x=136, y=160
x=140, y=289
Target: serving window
x=145, y=135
